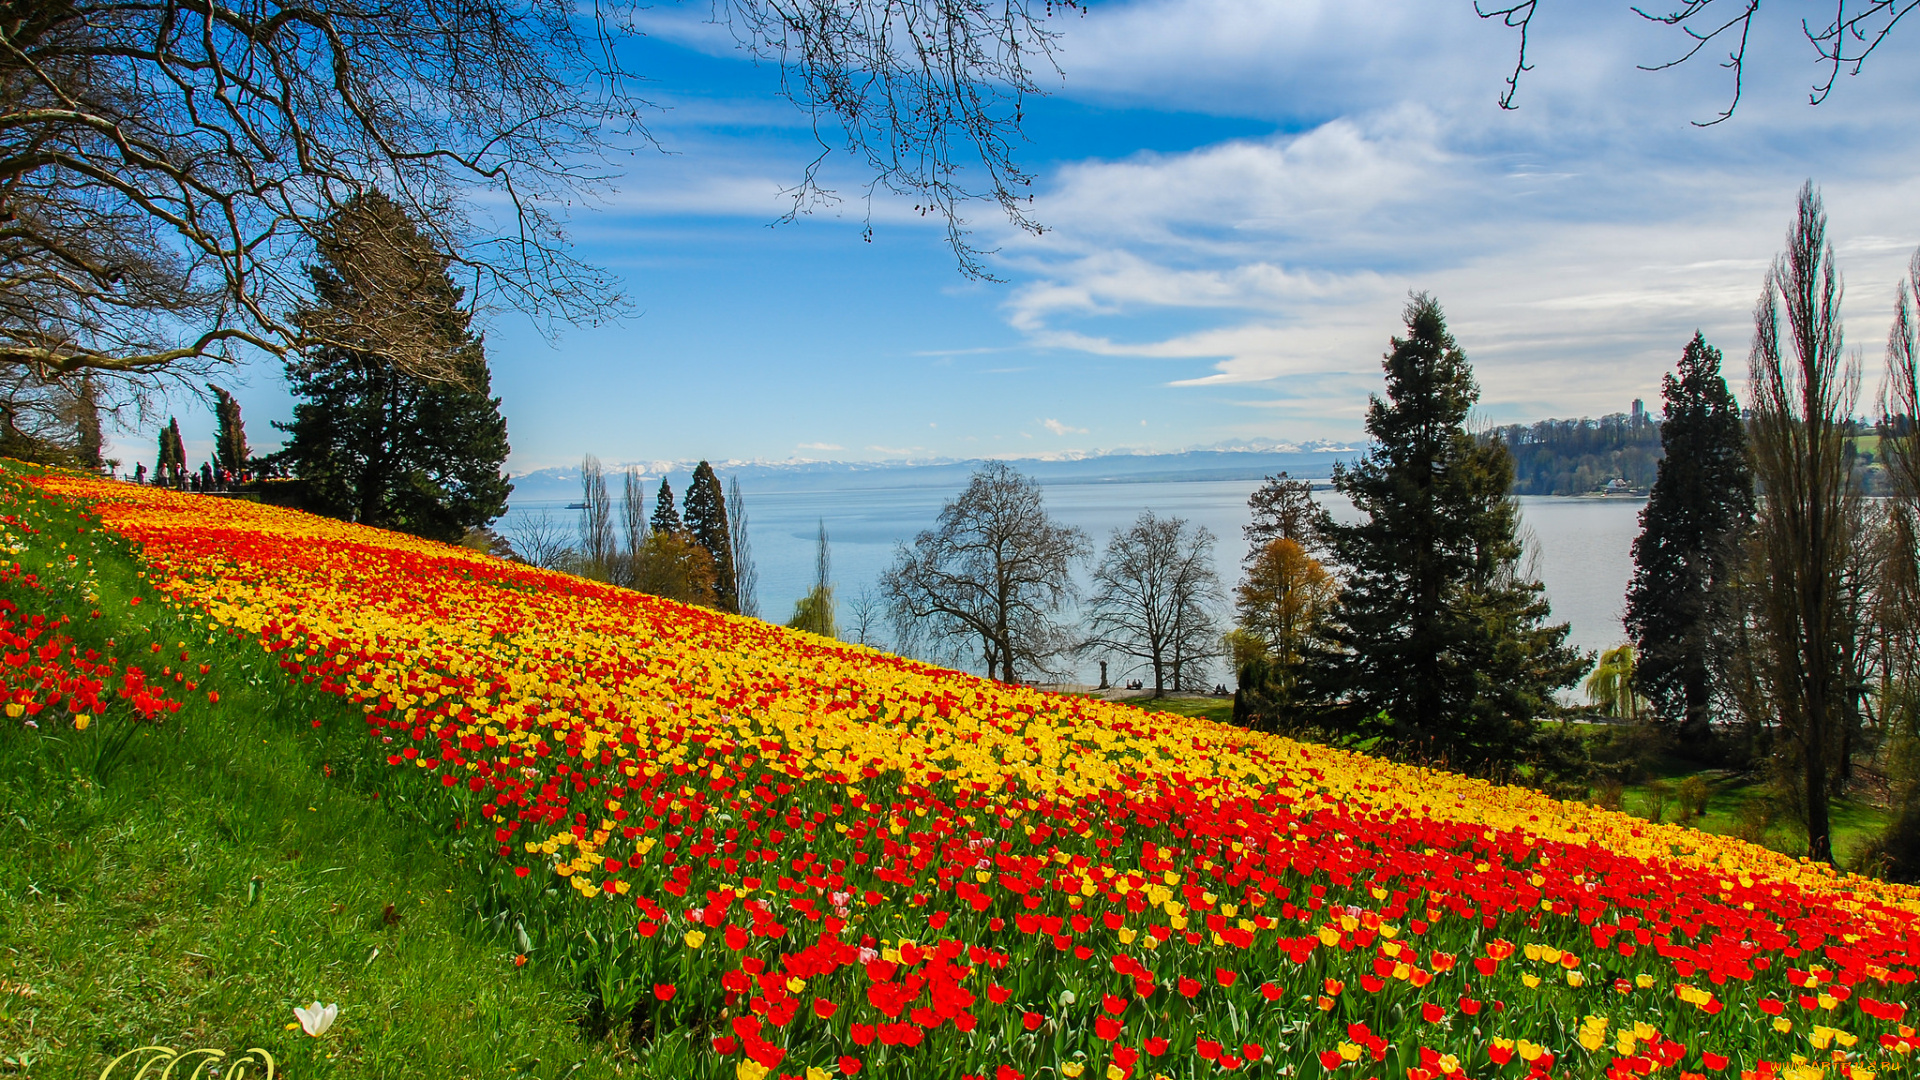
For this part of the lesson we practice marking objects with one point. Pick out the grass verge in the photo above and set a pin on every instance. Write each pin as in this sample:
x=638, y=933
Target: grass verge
x=232, y=861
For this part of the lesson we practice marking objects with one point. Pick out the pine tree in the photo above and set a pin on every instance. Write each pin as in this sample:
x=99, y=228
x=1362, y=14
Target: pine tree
x=374, y=444
x=706, y=519
x=1696, y=518
x=665, y=518
x=230, y=451
x=1439, y=642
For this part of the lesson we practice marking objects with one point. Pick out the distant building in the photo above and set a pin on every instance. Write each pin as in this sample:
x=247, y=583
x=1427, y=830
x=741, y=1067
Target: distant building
x=1639, y=412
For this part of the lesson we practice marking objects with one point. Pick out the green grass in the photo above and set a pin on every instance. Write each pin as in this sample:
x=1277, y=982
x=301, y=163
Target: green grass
x=1853, y=822
x=1209, y=708
x=235, y=861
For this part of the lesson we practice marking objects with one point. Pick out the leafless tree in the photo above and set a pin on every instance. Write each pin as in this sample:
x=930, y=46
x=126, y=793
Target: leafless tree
x=865, y=612
x=165, y=167
x=633, y=520
x=995, y=571
x=1801, y=404
x=1898, y=608
x=1843, y=37
x=541, y=540
x=1155, y=593
x=746, y=577
x=598, y=552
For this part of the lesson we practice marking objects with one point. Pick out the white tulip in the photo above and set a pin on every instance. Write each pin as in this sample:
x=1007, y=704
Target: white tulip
x=315, y=1019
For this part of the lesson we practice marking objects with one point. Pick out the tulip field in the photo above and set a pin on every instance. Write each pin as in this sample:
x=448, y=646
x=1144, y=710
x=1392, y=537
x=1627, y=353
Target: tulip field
x=773, y=855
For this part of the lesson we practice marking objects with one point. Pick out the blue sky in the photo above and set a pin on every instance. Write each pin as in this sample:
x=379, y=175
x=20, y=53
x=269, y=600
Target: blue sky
x=1239, y=197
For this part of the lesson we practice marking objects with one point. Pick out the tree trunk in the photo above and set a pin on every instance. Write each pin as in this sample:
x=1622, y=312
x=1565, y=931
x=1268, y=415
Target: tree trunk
x=1819, y=828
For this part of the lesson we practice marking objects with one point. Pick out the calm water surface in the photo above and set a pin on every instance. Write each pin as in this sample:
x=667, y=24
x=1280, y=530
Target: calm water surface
x=1583, y=546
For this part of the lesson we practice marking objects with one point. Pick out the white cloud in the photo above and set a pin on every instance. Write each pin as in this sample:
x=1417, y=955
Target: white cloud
x=820, y=446
x=1574, y=264
x=1059, y=428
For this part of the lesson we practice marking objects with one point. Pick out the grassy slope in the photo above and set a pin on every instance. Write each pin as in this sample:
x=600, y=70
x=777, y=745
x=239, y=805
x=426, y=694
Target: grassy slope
x=191, y=893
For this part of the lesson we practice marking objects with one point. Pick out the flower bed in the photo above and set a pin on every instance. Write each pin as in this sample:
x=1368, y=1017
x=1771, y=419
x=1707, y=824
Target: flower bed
x=773, y=854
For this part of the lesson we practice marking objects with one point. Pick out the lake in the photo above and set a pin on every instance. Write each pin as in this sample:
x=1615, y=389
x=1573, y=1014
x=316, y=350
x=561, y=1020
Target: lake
x=1584, y=546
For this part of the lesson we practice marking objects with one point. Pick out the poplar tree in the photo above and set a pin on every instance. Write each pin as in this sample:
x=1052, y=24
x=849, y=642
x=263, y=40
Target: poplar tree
x=1439, y=643
x=1696, y=519
x=815, y=611
x=746, y=578
x=1803, y=389
x=706, y=519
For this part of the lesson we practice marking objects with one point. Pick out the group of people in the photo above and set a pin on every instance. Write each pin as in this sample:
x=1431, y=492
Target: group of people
x=208, y=479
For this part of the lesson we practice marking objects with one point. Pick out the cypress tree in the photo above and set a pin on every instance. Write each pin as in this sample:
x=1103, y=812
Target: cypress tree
x=179, y=452
x=706, y=519
x=1440, y=645
x=88, y=440
x=170, y=469
x=666, y=519
x=230, y=451
x=1696, y=516
x=375, y=444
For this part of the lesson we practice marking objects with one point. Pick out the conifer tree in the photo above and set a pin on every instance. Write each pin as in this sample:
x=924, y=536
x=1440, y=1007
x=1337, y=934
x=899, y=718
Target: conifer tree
x=230, y=451
x=375, y=444
x=706, y=519
x=666, y=519
x=171, y=469
x=88, y=439
x=1696, y=517
x=1440, y=644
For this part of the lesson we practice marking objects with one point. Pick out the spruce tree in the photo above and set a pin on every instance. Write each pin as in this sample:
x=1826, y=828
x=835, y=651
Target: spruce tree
x=230, y=451
x=377, y=445
x=666, y=519
x=706, y=519
x=1696, y=517
x=1440, y=644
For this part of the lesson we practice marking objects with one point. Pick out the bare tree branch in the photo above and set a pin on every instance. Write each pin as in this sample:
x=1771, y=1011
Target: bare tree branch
x=921, y=90
x=1515, y=17
x=165, y=164
x=1847, y=39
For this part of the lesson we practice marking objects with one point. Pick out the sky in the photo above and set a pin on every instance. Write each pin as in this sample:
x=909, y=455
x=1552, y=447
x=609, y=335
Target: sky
x=1238, y=199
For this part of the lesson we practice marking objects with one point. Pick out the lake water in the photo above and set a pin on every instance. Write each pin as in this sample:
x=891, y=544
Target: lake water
x=1583, y=546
